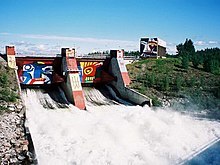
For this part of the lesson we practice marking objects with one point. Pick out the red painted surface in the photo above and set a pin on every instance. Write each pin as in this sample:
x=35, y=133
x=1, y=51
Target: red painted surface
x=94, y=71
x=126, y=78
x=73, y=74
x=10, y=50
x=90, y=71
x=79, y=99
x=71, y=64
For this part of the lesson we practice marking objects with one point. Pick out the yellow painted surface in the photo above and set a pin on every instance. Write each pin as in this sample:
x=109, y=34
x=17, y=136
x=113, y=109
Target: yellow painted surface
x=11, y=61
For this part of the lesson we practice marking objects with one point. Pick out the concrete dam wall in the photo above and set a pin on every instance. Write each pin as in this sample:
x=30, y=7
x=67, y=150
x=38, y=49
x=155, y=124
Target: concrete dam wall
x=72, y=73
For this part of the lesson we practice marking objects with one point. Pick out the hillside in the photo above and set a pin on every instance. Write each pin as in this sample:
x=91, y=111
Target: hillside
x=167, y=83
x=13, y=139
x=8, y=85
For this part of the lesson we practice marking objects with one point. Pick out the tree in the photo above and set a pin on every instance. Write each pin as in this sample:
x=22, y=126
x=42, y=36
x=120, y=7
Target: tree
x=189, y=48
x=180, y=50
x=187, y=52
x=210, y=59
x=196, y=60
x=185, y=61
x=182, y=53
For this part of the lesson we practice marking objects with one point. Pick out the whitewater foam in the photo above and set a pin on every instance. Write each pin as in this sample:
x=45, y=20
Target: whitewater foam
x=114, y=134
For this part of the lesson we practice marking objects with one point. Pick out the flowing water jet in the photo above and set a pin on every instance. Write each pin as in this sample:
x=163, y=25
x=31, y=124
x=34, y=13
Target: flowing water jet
x=114, y=133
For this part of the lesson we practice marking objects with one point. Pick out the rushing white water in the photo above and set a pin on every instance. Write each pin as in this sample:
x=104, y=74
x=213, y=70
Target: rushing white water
x=114, y=134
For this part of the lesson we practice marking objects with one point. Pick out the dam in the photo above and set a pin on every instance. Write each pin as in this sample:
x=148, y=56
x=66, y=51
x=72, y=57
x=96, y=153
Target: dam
x=72, y=73
x=82, y=112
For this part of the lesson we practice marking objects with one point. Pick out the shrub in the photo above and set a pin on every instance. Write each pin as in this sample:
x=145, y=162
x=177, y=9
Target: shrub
x=151, y=79
x=191, y=82
x=196, y=60
x=7, y=95
x=165, y=83
x=2, y=108
x=3, y=80
x=142, y=89
x=202, y=81
x=156, y=102
x=214, y=68
x=211, y=65
x=178, y=82
x=217, y=92
x=138, y=77
x=185, y=61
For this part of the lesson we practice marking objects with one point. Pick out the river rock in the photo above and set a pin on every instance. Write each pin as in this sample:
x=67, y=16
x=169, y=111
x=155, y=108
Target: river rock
x=7, y=156
x=11, y=107
x=7, y=144
x=24, y=142
x=13, y=160
x=25, y=148
x=19, y=106
x=19, y=149
x=13, y=142
x=30, y=156
x=21, y=157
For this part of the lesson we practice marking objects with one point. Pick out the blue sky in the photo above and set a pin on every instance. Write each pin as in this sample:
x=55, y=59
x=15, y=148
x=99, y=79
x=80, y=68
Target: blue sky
x=95, y=25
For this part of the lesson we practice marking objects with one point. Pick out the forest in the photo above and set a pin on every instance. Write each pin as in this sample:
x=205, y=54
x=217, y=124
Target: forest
x=208, y=59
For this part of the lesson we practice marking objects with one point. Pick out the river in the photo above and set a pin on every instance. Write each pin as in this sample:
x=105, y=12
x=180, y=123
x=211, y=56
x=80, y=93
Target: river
x=110, y=133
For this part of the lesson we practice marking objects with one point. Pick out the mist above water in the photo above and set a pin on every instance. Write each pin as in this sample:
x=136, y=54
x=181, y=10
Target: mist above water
x=114, y=134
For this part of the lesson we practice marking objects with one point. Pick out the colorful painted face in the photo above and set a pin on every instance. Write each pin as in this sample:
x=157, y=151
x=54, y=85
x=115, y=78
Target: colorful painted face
x=149, y=46
x=90, y=72
x=37, y=73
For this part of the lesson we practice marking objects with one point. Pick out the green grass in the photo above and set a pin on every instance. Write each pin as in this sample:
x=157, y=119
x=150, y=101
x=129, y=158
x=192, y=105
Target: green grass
x=8, y=86
x=165, y=77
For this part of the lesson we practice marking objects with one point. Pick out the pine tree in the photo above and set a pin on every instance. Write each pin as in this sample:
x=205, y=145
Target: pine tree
x=187, y=53
x=196, y=60
x=185, y=61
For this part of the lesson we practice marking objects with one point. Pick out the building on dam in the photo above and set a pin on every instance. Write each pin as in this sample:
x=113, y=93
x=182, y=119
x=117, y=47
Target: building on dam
x=152, y=48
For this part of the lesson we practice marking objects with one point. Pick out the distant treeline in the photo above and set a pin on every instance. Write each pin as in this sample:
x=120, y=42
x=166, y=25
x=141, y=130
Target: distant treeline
x=132, y=53
x=208, y=59
x=127, y=53
x=99, y=52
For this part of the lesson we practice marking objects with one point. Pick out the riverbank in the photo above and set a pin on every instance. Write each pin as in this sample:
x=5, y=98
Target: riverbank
x=13, y=140
x=14, y=148
x=168, y=84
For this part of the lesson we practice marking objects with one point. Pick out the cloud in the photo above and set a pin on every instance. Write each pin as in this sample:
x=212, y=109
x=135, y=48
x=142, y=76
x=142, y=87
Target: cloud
x=4, y=33
x=213, y=42
x=21, y=43
x=28, y=48
x=82, y=45
x=64, y=38
x=52, y=44
x=200, y=43
x=171, y=48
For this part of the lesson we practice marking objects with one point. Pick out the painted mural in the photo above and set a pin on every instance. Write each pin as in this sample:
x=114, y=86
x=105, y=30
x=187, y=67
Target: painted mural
x=148, y=46
x=37, y=73
x=90, y=72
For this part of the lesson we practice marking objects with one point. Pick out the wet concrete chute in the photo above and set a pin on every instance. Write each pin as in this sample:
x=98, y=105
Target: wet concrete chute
x=82, y=111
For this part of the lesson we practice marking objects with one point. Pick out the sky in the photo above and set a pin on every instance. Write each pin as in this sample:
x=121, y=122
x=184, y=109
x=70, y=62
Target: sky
x=45, y=26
